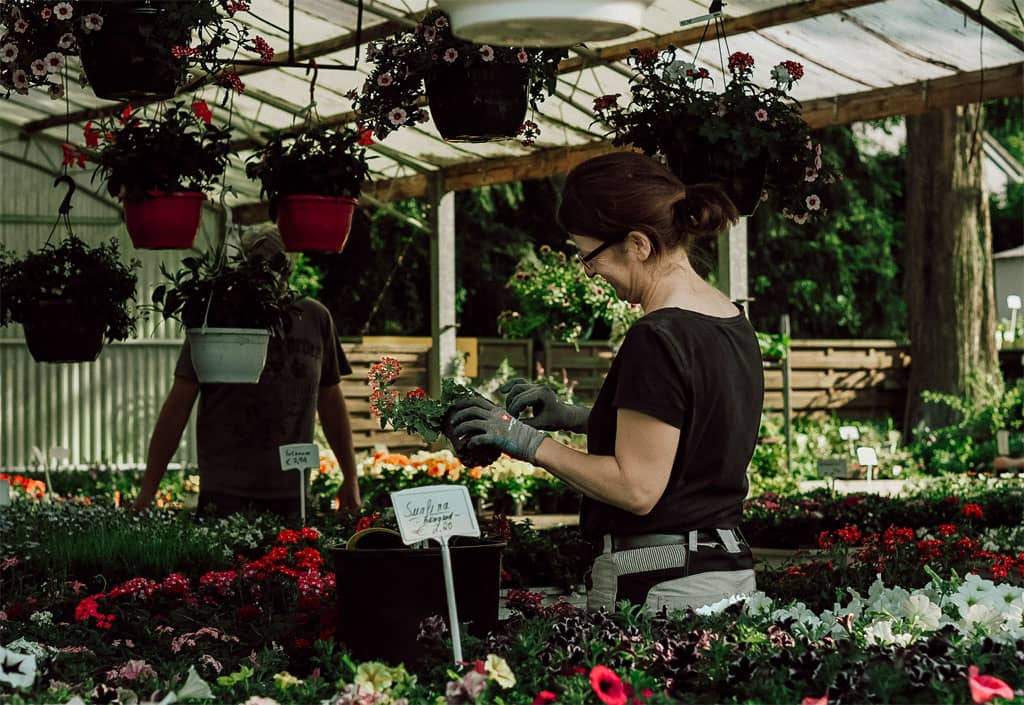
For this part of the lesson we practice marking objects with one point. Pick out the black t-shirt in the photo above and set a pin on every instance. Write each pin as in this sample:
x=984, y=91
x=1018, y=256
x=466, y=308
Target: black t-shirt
x=703, y=375
x=240, y=426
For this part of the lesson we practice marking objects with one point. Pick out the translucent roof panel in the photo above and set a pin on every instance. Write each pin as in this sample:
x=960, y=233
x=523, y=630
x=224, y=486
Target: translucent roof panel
x=850, y=49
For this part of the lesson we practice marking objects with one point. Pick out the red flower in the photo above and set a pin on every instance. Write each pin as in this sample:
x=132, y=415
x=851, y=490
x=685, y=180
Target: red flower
x=247, y=613
x=365, y=137
x=125, y=114
x=92, y=135
x=416, y=394
x=288, y=536
x=947, y=529
x=984, y=688
x=849, y=535
x=367, y=522
x=646, y=56
x=606, y=101
x=825, y=540
x=823, y=700
x=973, y=511
x=741, y=61
x=608, y=686
x=796, y=71
x=71, y=157
x=202, y=111
x=544, y=697
x=265, y=51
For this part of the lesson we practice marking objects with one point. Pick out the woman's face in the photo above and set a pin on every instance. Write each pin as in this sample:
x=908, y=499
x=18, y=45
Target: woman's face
x=610, y=261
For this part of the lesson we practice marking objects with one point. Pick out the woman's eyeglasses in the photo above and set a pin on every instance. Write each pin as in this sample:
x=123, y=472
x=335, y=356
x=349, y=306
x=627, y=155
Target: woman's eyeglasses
x=587, y=258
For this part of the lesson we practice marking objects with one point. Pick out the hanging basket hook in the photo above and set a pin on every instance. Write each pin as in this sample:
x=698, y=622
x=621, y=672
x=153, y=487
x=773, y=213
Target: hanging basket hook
x=65, y=205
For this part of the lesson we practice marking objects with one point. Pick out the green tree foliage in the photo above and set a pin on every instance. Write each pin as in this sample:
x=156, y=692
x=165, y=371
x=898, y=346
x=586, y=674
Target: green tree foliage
x=1004, y=120
x=841, y=277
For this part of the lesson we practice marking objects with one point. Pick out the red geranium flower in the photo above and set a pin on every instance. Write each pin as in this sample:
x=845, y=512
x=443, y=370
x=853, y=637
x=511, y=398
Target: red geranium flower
x=544, y=697
x=608, y=686
x=202, y=111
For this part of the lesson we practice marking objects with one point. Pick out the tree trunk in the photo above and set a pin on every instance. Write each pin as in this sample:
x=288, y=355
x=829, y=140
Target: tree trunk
x=948, y=280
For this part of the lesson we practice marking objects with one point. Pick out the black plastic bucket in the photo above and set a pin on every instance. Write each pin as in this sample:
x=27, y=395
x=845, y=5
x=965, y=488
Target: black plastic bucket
x=384, y=594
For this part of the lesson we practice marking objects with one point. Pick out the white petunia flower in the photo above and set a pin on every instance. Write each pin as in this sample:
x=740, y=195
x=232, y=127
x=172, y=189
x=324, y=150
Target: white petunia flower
x=92, y=22
x=398, y=116
x=38, y=67
x=66, y=41
x=922, y=612
x=8, y=52
x=450, y=55
x=16, y=669
x=63, y=10
x=486, y=53
x=54, y=62
x=881, y=633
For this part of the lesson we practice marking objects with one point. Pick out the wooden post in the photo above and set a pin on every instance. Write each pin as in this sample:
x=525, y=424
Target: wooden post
x=442, y=282
x=732, y=264
x=787, y=402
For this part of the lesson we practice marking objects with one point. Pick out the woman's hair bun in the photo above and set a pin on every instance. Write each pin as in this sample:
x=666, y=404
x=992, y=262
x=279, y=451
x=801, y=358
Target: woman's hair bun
x=706, y=210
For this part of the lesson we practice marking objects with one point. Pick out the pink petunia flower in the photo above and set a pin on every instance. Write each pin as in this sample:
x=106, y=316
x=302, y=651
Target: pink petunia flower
x=984, y=688
x=761, y=115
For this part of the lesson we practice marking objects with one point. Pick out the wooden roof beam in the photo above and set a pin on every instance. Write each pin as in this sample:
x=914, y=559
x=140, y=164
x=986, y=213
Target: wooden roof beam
x=793, y=12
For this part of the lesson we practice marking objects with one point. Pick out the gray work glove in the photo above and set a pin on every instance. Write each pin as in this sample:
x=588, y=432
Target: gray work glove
x=489, y=425
x=549, y=414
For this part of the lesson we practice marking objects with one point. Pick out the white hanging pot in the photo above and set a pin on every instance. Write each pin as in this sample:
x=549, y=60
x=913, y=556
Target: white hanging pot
x=228, y=355
x=544, y=23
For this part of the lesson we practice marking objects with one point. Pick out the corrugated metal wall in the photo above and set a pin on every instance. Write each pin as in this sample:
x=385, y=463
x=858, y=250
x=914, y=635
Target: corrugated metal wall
x=101, y=411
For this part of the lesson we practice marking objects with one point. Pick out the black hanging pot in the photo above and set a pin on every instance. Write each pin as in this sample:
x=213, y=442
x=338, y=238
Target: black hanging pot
x=62, y=331
x=130, y=57
x=470, y=457
x=698, y=165
x=478, y=103
x=379, y=619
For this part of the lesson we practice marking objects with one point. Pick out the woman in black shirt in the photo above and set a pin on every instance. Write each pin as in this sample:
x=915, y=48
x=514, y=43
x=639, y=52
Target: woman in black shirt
x=675, y=423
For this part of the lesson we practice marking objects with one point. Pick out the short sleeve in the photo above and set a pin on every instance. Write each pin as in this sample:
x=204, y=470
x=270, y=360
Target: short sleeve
x=184, y=368
x=334, y=364
x=651, y=376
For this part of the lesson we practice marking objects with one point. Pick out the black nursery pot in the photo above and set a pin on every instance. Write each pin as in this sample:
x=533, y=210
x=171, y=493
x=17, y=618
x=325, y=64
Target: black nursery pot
x=62, y=331
x=478, y=103
x=130, y=57
x=384, y=594
x=699, y=166
x=470, y=457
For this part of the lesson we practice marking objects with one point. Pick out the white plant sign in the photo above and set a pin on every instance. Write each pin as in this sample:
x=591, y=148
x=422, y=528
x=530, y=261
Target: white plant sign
x=300, y=456
x=438, y=512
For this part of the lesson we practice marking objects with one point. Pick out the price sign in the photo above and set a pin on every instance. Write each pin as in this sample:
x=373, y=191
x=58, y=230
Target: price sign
x=849, y=433
x=434, y=512
x=300, y=456
x=867, y=456
x=438, y=512
x=834, y=468
x=1003, y=442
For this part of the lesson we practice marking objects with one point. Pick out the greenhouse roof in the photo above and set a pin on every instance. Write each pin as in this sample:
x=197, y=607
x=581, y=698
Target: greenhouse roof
x=863, y=59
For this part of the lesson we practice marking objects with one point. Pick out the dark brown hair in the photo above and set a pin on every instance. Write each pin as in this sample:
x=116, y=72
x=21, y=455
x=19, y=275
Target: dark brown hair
x=608, y=196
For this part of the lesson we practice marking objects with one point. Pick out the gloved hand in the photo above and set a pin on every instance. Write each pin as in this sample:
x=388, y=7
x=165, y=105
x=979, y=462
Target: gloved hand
x=549, y=414
x=488, y=425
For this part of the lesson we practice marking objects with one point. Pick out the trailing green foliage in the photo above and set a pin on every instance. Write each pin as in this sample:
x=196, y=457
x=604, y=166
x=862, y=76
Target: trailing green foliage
x=94, y=277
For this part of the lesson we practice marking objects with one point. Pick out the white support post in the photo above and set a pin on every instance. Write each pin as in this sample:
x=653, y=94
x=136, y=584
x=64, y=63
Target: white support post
x=732, y=264
x=442, y=282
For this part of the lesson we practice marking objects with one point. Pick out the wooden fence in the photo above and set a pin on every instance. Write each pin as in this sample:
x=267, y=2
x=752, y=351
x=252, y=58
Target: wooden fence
x=853, y=378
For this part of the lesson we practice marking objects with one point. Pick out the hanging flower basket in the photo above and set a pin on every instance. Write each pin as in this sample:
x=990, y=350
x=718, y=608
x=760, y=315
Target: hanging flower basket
x=62, y=330
x=130, y=58
x=743, y=183
x=478, y=103
x=315, y=223
x=548, y=23
x=228, y=355
x=164, y=221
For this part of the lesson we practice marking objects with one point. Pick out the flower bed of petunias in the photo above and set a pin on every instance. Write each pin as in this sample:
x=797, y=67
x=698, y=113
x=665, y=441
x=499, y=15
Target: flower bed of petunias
x=262, y=633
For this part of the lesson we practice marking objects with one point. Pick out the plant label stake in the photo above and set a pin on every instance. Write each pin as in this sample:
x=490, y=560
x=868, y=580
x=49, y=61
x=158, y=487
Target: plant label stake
x=868, y=458
x=299, y=456
x=58, y=454
x=833, y=468
x=1003, y=442
x=5, y=493
x=438, y=512
x=849, y=434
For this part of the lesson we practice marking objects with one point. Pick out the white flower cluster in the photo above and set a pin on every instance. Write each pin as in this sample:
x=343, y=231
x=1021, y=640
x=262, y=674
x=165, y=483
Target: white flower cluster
x=976, y=608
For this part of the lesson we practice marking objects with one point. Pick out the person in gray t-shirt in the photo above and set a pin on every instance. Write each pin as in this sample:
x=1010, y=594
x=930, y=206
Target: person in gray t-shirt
x=240, y=426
